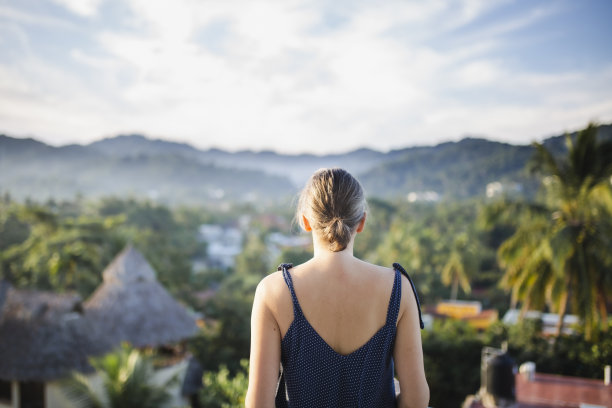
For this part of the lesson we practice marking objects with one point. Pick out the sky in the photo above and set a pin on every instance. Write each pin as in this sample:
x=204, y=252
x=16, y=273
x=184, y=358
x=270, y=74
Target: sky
x=304, y=75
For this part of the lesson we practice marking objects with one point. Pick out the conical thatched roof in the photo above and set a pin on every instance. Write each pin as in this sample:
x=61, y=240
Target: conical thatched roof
x=43, y=336
x=132, y=306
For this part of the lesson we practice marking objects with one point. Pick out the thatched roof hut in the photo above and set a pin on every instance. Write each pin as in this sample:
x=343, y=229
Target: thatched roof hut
x=43, y=336
x=132, y=306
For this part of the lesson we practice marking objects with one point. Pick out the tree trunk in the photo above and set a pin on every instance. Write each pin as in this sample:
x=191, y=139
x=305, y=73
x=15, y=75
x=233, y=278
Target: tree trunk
x=455, y=288
x=603, y=311
x=524, y=309
x=562, y=311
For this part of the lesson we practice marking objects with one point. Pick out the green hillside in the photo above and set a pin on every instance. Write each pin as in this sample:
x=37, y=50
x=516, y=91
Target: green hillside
x=179, y=173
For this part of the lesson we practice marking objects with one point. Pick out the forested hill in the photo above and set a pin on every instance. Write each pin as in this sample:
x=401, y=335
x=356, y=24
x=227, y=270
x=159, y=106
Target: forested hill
x=179, y=173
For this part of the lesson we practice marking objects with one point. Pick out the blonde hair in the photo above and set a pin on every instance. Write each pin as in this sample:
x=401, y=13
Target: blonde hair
x=334, y=203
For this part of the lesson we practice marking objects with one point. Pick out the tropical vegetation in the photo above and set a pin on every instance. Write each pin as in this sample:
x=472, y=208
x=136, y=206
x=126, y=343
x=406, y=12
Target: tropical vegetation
x=126, y=381
x=550, y=252
x=559, y=254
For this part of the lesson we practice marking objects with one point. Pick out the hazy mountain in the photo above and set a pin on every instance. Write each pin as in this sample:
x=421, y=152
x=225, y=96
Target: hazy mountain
x=462, y=169
x=32, y=169
x=295, y=167
x=137, y=145
x=176, y=172
x=457, y=169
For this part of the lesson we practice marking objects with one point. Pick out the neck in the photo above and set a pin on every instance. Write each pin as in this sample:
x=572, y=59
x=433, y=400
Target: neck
x=324, y=254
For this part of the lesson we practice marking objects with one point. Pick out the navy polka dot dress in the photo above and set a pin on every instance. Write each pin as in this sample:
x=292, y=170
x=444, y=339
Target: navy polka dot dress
x=313, y=375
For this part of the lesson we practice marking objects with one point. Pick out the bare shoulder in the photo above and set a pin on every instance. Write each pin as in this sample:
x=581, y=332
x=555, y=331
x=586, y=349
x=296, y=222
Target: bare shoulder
x=271, y=286
x=272, y=291
x=378, y=269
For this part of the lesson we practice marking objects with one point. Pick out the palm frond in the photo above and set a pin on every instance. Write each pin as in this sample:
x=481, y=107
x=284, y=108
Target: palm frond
x=83, y=394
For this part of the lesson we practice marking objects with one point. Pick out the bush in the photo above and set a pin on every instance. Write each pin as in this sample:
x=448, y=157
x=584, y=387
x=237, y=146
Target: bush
x=452, y=362
x=570, y=355
x=222, y=391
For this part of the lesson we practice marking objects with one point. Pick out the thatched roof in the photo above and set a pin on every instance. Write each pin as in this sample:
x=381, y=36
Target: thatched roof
x=43, y=336
x=132, y=306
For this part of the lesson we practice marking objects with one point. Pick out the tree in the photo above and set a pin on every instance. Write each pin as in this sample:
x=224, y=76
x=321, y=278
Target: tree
x=126, y=382
x=559, y=255
x=60, y=253
x=225, y=337
x=254, y=258
x=454, y=272
x=451, y=352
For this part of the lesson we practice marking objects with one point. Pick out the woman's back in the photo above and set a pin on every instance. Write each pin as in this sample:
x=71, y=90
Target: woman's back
x=346, y=303
x=317, y=375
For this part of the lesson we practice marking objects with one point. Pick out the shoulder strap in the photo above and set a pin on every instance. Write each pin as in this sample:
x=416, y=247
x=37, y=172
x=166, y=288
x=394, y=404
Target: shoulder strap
x=399, y=267
x=395, y=300
x=297, y=310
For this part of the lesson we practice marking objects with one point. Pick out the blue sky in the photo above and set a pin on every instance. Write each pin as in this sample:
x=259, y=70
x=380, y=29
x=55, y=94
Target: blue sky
x=303, y=76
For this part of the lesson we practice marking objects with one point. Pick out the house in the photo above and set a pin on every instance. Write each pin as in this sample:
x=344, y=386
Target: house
x=504, y=387
x=552, y=391
x=224, y=243
x=466, y=310
x=132, y=306
x=45, y=336
x=548, y=390
x=549, y=320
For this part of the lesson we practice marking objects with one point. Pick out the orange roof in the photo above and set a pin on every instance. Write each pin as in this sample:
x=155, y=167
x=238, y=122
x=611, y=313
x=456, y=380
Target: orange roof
x=547, y=390
x=554, y=391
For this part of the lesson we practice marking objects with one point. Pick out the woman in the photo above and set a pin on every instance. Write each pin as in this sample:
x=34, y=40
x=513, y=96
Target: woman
x=337, y=327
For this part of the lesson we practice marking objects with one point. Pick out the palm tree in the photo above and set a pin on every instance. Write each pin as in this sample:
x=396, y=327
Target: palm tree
x=454, y=272
x=126, y=382
x=560, y=253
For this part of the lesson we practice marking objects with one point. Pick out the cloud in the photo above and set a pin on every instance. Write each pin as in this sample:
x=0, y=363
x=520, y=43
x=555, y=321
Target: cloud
x=295, y=76
x=15, y=15
x=84, y=8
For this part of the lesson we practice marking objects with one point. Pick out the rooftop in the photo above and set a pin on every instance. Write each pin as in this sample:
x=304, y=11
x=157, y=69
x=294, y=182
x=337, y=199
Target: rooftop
x=553, y=391
x=43, y=335
x=131, y=305
x=547, y=390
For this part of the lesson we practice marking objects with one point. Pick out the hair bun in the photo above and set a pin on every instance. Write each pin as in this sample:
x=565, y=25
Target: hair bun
x=334, y=204
x=338, y=234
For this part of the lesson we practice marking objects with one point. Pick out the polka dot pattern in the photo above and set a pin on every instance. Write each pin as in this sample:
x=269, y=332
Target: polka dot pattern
x=314, y=375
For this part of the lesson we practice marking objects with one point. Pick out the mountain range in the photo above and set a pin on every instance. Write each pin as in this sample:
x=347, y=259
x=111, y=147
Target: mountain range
x=175, y=173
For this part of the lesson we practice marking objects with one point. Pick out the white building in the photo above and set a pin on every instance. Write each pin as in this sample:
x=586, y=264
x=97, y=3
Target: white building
x=224, y=243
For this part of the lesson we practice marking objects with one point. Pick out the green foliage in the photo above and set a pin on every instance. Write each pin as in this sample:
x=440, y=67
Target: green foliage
x=571, y=355
x=225, y=338
x=254, y=258
x=452, y=362
x=295, y=256
x=12, y=229
x=459, y=264
x=460, y=170
x=167, y=239
x=378, y=220
x=559, y=254
x=432, y=241
x=65, y=246
x=452, y=352
x=126, y=382
x=222, y=390
x=60, y=253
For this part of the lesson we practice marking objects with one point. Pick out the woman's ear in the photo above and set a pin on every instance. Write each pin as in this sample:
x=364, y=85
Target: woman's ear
x=361, y=223
x=306, y=224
